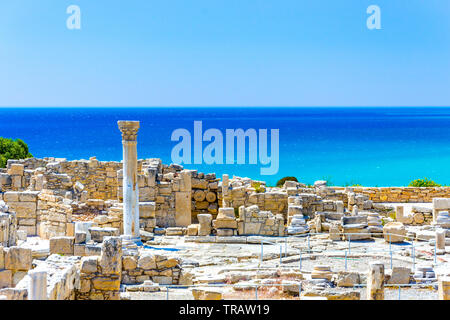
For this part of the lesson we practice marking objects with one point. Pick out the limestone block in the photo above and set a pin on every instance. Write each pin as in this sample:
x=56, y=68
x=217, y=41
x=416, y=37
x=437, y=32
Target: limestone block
x=418, y=217
x=444, y=288
x=225, y=224
x=23, y=209
x=400, y=275
x=213, y=185
x=205, y=224
x=347, y=279
x=80, y=237
x=359, y=219
x=2, y=258
x=17, y=277
x=226, y=232
x=252, y=228
x=106, y=283
x=79, y=250
x=21, y=234
x=163, y=280
x=16, y=169
x=340, y=207
x=226, y=214
x=399, y=213
x=28, y=196
x=207, y=294
x=62, y=245
x=101, y=219
x=98, y=234
x=330, y=295
x=70, y=229
x=89, y=264
x=357, y=234
x=291, y=287
x=192, y=230
x=441, y=203
x=186, y=278
x=147, y=209
x=294, y=210
x=322, y=272
x=394, y=232
x=146, y=236
x=17, y=258
x=182, y=209
x=212, y=208
x=167, y=263
x=129, y=262
x=174, y=231
x=334, y=232
x=443, y=220
x=111, y=255
x=440, y=239
x=5, y=279
x=147, y=261
x=375, y=281
x=185, y=181
x=199, y=184
x=241, y=228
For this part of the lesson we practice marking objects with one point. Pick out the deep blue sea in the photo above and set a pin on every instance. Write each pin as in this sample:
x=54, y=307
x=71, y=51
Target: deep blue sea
x=367, y=146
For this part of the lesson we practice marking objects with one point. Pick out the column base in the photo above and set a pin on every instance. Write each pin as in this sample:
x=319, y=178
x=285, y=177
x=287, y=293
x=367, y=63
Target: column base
x=130, y=242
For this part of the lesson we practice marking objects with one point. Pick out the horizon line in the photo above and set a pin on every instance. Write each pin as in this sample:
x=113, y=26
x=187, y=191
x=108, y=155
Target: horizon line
x=203, y=106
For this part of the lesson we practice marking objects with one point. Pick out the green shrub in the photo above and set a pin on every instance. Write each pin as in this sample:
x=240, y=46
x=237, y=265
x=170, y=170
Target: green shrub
x=12, y=149
x=393, y=215
x=281, y=182
x=425, y=182
x=352, y=184
x=330, y=183
x=257, y=187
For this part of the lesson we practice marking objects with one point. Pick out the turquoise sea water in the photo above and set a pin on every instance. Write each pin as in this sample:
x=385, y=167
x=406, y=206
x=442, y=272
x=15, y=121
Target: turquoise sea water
x=367, y=146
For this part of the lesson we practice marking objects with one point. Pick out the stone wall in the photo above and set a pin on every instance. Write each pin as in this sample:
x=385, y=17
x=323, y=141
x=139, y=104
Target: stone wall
x=97, y=179
x=8, y=225
x=54, y=215
x=238, y=192
x=252, y=221
x=204, y=194
x=147, y=266
x=401, y=194
x=100, y=275
x=14, y=265
x=169, y=187
x=14, y=177
x=24, y=204
x=62, y=277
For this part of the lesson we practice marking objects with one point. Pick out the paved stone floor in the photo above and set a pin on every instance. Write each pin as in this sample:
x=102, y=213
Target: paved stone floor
x=212, y=262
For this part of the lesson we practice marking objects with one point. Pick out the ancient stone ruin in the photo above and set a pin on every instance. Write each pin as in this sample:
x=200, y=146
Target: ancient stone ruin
x=88, y=230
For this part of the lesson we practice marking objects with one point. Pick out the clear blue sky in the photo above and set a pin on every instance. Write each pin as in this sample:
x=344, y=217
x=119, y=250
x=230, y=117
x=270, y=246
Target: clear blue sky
x=225, y=53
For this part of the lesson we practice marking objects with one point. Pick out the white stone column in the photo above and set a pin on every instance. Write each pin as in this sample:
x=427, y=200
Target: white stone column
x=129, y=131
x=37, y=287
